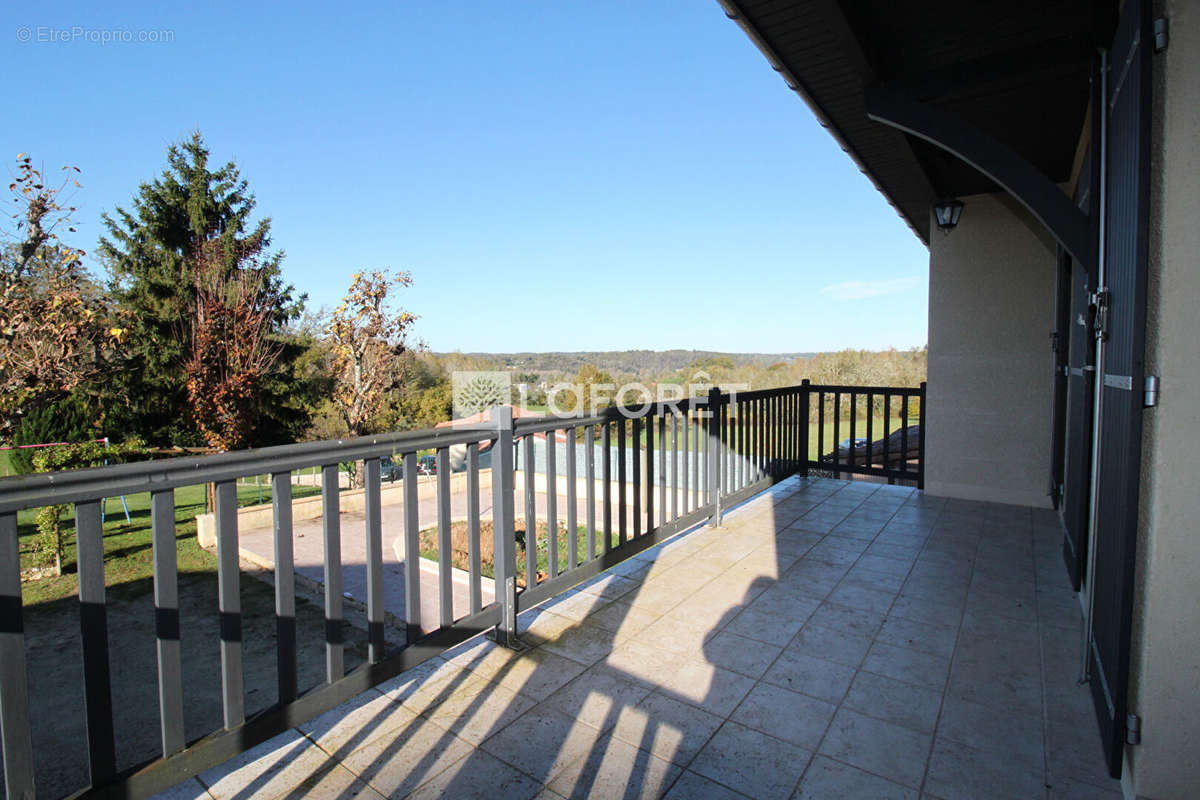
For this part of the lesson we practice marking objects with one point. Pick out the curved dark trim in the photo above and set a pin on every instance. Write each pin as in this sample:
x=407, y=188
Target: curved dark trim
x=1052, y=207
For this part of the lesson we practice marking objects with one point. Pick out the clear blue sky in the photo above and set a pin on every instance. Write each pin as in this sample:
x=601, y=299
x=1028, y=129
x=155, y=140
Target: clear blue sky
x=557, y=175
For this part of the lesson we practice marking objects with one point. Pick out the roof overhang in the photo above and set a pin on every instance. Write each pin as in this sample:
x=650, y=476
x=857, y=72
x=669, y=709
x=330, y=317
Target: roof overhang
x=1018, y=72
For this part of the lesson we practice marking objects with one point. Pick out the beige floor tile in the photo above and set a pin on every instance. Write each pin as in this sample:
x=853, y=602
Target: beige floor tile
x=480, y=711
x=396, y=765
x=478, y=775
x=537, y=674
x=616, y=769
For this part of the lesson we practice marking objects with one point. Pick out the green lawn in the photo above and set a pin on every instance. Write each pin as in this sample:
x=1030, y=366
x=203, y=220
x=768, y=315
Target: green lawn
x=458, y=533
x=127, y=546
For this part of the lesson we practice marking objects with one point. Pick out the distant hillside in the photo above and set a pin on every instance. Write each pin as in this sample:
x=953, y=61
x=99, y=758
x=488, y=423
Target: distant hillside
x=625, y=362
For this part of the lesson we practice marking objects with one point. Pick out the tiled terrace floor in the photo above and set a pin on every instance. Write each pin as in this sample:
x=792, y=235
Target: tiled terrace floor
x=832, y=639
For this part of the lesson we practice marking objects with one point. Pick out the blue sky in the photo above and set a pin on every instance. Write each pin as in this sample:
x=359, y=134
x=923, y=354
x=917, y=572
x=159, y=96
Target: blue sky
x=556, y=175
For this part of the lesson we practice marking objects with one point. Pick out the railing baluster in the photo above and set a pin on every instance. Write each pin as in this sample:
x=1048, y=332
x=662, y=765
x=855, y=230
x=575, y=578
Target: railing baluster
x=552, y=503
x=731, y=444
x=229, y=602
x=779, y=401
x=285, y=588
x=166, y=620
x=685, y=501
x=837, y=430
x=589, y=471
x=373, y=511
x=93, y=628
x=759, y=437
x=887, y=431
x=904, y=434
x=473, y=534
x=445, y=540
x=853, y=425
x=637, y=477
x=412, y=551
x=703, y=425
x=531, y=538
x=15, y=731
x=773, y=440
x=820, y=425
x=780, y=452
x=662, y=467
x=739, y=449
x=793, y=431
x=805, y=430
x=622, y=469
x=724, y=488
x=768, y=437
x=755, y=439
x=696, y=500
x=675, y=465
x=650, y=471
x=572, y=501
x=606, y=455
x=712, y=465
x=331, y=529
x=870, y=430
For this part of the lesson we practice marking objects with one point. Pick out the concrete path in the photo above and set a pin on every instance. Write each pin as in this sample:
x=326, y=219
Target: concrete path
x=257, y=547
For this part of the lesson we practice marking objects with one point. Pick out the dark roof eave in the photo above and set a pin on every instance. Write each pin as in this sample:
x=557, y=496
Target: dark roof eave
x=735, y=13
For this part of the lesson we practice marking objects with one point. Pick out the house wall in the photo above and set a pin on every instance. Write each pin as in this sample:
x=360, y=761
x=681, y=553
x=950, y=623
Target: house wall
x=1165, y=657
x=990, y=391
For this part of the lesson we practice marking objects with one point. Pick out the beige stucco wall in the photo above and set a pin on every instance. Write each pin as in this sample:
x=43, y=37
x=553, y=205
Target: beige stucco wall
x=991, y=309
x=1165, y=659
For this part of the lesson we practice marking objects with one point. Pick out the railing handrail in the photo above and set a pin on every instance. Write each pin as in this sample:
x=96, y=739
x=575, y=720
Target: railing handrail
x=94, y=483
x=896, y=391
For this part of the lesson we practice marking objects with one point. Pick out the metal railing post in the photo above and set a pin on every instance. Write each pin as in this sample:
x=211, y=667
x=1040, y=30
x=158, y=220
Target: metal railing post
x=713, y=467
x=16, y=736
x=921, y=441
x=504, y=544
x=805, y=406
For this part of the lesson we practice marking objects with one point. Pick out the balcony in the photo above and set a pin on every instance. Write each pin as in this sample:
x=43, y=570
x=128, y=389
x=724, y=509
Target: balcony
x=830, y=639
x=825, y=638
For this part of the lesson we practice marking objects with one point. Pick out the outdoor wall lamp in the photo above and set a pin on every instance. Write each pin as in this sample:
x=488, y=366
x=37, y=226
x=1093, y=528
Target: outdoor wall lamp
x=947, y=213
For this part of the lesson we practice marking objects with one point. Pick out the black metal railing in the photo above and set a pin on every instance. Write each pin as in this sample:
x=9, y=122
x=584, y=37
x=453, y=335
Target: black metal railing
x=677, y=464
x=891, y=421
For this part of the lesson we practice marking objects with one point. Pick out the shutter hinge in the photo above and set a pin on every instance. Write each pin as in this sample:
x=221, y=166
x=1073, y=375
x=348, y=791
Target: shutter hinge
x=1150, y=400
x=1101, y=299
x=1133, y=729
x=1162, y=34
x=1053, y=341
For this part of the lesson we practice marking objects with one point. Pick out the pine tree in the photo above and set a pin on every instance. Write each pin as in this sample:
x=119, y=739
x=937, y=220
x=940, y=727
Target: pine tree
x=152, y=252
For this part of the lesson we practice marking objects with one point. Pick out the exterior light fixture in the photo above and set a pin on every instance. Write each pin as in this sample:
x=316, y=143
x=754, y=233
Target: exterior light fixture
x=947, y=213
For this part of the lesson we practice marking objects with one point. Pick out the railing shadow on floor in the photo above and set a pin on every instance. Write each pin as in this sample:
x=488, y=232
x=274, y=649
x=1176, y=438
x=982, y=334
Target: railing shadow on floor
x=602, y=768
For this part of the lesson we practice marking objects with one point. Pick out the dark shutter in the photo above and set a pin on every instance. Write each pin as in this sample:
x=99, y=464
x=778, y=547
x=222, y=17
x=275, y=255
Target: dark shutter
x=1080, y=387
x=1080, y=371
x=1123, y=315
x=1060, y=339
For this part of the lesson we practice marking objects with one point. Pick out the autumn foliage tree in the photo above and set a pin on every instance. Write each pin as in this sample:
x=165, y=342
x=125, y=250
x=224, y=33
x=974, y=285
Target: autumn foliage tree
x=196, y=217
x=233, y=347
x=367, y=336
x=56, y=332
